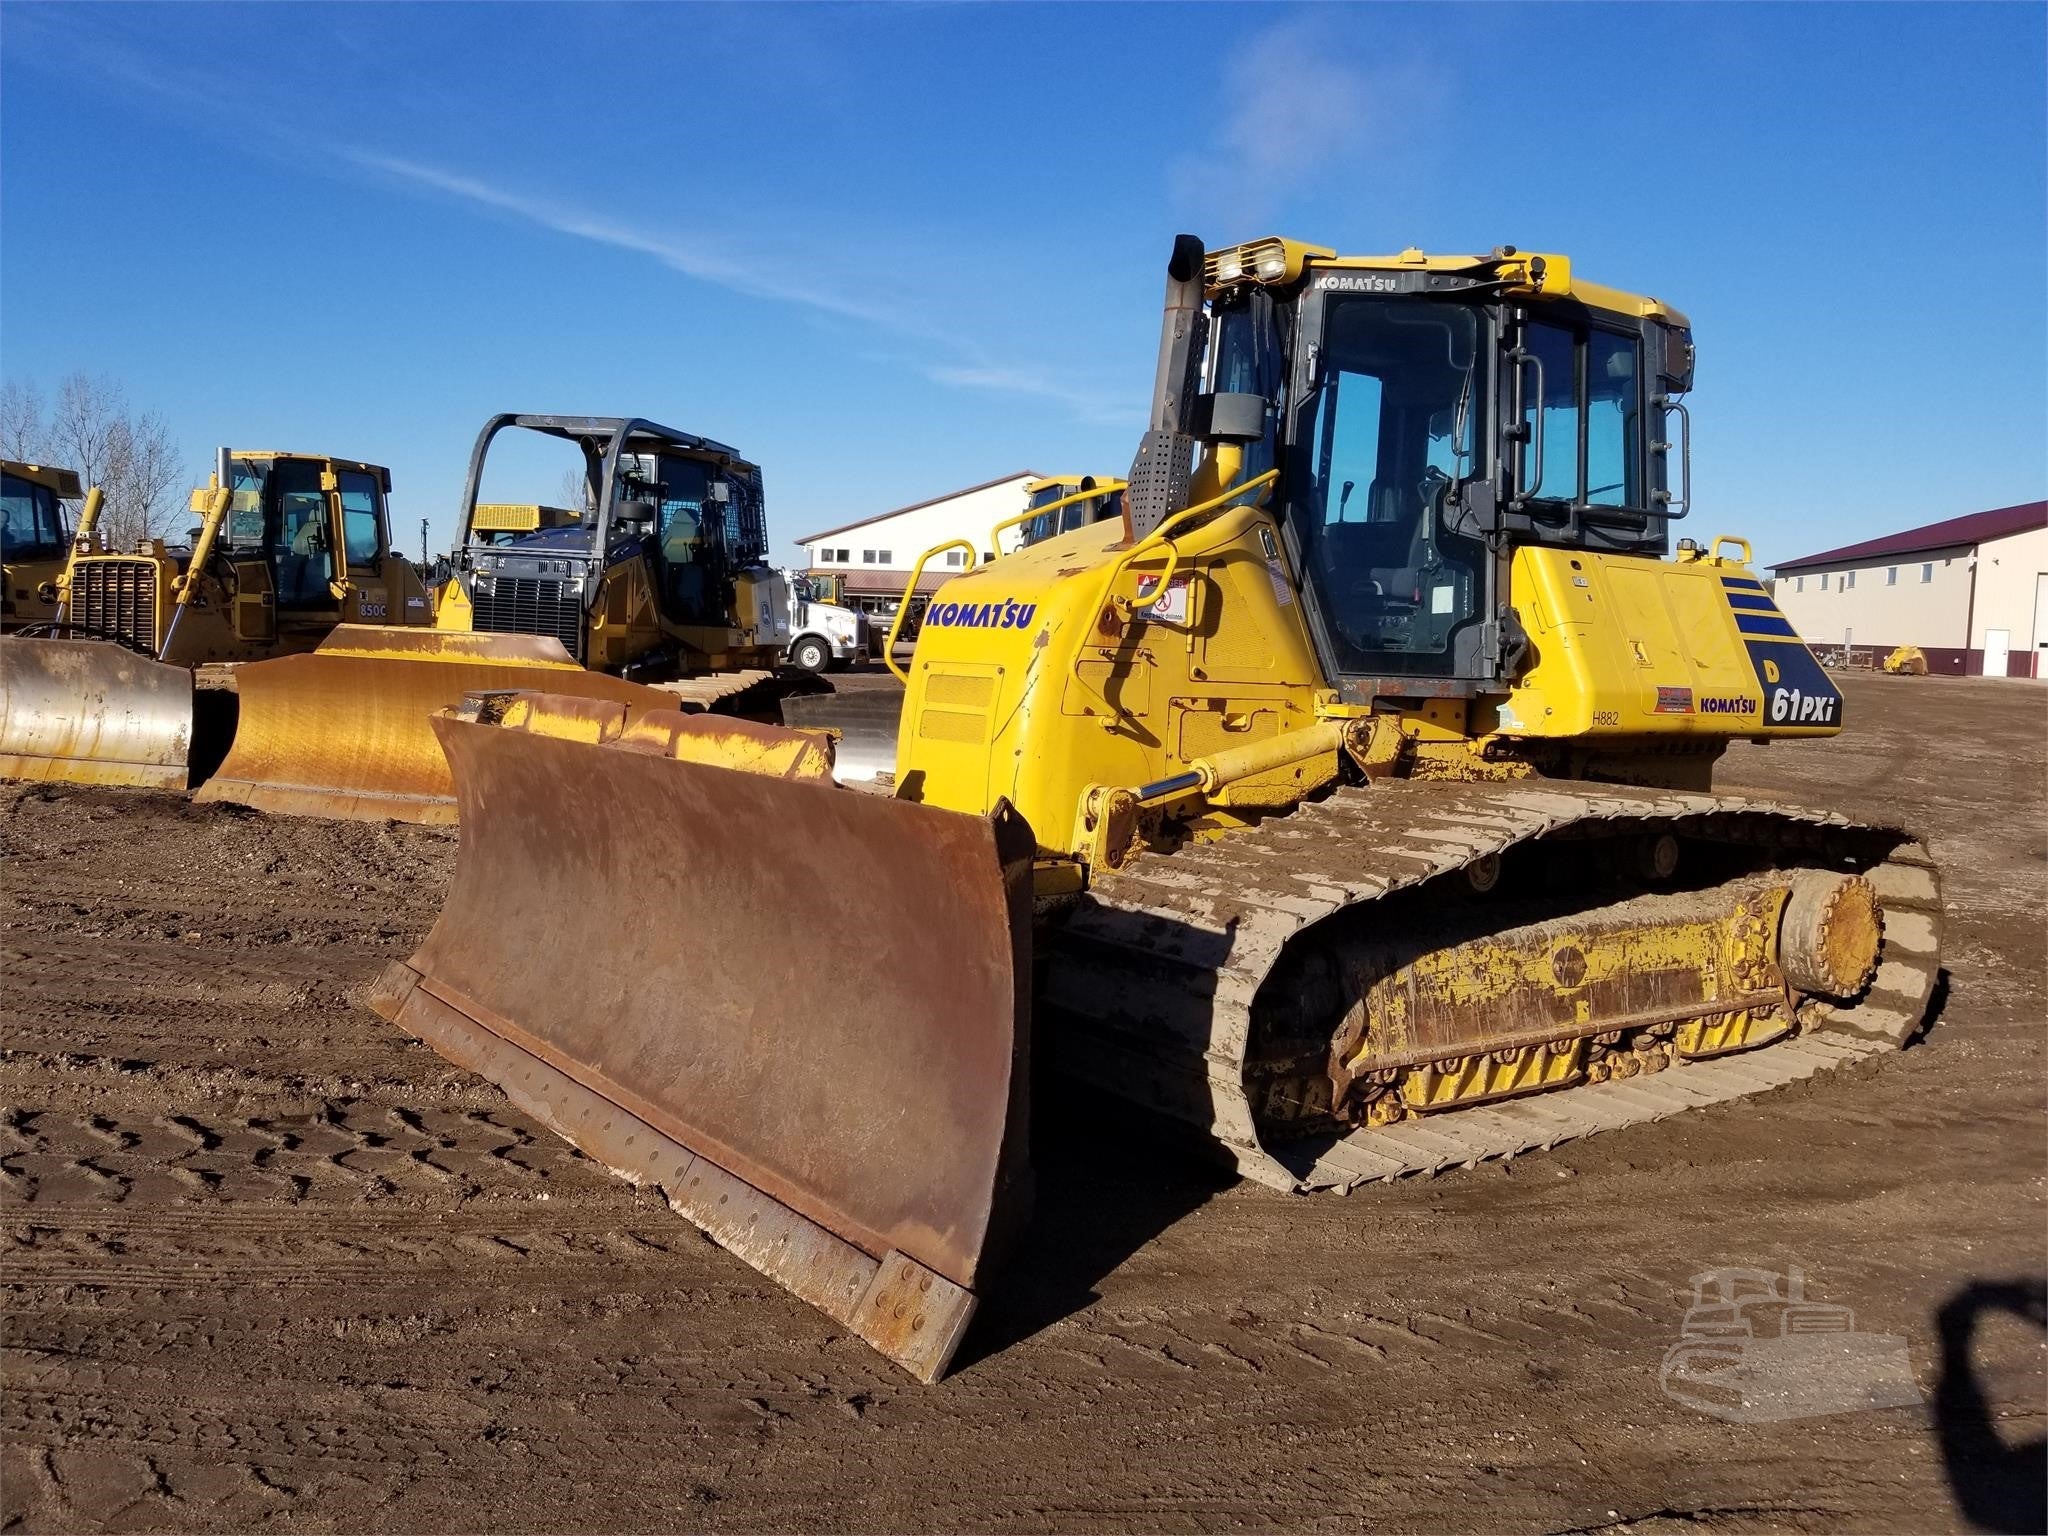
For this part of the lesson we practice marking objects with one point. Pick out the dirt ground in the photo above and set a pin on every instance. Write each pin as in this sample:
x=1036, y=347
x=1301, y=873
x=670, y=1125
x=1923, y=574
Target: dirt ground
x=270, y=1264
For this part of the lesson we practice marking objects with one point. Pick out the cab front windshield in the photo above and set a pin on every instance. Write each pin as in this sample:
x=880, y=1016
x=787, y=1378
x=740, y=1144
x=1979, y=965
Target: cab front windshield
x=1390, y=430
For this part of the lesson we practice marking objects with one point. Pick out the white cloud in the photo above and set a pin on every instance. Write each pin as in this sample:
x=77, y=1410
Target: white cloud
x=727, y=260
x=706, y=261
x=1092, y=407
x=1298, y=105
x=695, y=258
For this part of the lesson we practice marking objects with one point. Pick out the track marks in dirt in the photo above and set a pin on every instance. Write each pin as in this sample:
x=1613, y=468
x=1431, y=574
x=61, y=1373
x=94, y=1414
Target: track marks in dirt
x=268, y=1262
x=360, y=1150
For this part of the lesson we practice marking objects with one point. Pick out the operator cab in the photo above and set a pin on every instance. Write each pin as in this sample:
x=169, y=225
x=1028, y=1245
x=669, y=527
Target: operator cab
x=32, y=522
x=1426, y=415
x=626, y=489
x=283, y=510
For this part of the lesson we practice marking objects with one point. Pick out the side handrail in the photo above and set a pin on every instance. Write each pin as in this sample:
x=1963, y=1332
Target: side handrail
x=1104, y=488
x=1736, y=540
x=1162, y=535
x=1529, y=488
x=910, y=591
x=82, y=539
x=1684, y=498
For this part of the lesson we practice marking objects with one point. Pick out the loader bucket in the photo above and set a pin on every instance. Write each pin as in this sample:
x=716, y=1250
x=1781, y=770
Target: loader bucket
x=342, y=731
x=800, y=1011
x=92, y=712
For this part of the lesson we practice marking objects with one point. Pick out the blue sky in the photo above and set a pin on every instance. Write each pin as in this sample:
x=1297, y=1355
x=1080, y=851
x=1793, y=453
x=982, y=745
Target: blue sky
x=887, y=251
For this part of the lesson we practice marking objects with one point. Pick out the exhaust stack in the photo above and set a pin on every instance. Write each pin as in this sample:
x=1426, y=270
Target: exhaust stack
x=1159, y=474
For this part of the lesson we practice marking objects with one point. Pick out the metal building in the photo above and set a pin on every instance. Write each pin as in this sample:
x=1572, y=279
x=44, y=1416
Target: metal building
x=1972, y=592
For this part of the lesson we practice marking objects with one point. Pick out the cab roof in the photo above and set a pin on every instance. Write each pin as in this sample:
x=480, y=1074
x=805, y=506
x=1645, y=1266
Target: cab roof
x=1541, y=275
x=64, y=482
x=312, y=458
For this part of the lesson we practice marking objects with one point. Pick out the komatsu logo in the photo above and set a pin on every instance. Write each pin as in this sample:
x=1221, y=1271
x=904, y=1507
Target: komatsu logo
x=1350, y=283
x=1003, y=615
x=1736, y=705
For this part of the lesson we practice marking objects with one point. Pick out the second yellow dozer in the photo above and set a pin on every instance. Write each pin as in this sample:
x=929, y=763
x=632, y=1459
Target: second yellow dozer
x=288, y=548
x=1357, y=784
x=657, y=573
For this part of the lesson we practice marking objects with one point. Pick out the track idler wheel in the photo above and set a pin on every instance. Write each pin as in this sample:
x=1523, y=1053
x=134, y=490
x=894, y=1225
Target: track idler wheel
x=1830, y=935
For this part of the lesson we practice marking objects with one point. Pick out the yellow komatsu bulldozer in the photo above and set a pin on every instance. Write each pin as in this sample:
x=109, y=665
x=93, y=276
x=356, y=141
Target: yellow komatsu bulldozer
x=35, y=539
x=657, y=573
x=288, y=547
x=1348, y=801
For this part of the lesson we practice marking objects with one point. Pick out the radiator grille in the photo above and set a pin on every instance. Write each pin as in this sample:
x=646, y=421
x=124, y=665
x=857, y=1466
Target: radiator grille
x=116, y=597
x=951, y=725
x=524, y=605
x=956, y=707
x=955, y=690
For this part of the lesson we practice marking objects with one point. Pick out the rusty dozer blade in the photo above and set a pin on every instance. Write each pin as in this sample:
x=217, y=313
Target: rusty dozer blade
x=800, y=1011
x=865, y=721
x=343, y=730
x=92, y=712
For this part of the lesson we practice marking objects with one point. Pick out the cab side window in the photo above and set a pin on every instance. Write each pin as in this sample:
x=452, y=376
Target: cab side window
x=30, y=528
x=1589, y=419
x=1614, y=467
x=1556, y=350
x=360, y=520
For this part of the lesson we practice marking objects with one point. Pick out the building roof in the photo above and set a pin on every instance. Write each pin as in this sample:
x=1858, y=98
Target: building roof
x=1974, y=528
x=916, y=506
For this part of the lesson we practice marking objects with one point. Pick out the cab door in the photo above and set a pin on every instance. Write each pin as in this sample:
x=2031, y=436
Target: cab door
x=245, y=543
x=304, y=526
x=359, y=499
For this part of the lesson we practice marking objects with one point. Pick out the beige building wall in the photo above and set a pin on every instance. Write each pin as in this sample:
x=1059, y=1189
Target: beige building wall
x=890, y=545
x=1920, y=599
x=2010, y=574
x=1949, y=601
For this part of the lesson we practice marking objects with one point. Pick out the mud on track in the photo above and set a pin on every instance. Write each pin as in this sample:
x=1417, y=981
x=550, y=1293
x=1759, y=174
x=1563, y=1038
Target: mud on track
x=267, y=1263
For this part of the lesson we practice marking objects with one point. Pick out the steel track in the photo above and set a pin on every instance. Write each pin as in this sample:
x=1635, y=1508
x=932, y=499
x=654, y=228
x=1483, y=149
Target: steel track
x=1149, y=979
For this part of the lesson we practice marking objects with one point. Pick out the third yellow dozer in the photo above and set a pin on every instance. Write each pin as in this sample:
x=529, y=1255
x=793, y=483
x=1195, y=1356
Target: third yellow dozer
x=1348, y=800
x=35, y=539
x=656, y=572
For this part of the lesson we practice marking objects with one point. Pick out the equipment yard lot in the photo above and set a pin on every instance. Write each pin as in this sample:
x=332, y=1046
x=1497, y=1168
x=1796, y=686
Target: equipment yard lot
x=271, y=1263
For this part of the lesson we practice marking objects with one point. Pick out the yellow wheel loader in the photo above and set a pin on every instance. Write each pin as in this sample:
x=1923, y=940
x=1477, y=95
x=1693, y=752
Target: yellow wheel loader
x=35, y=540
x=288, y=547
x=657, y=572
x=1357, y=783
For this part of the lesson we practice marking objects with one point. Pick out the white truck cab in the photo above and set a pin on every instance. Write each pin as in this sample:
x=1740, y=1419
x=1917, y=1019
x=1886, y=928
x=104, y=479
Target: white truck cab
x=824, y=635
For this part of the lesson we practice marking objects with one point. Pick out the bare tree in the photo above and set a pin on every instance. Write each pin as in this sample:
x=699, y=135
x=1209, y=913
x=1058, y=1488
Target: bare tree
x=574, y=492
x=21, y=422
x=129, y=457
